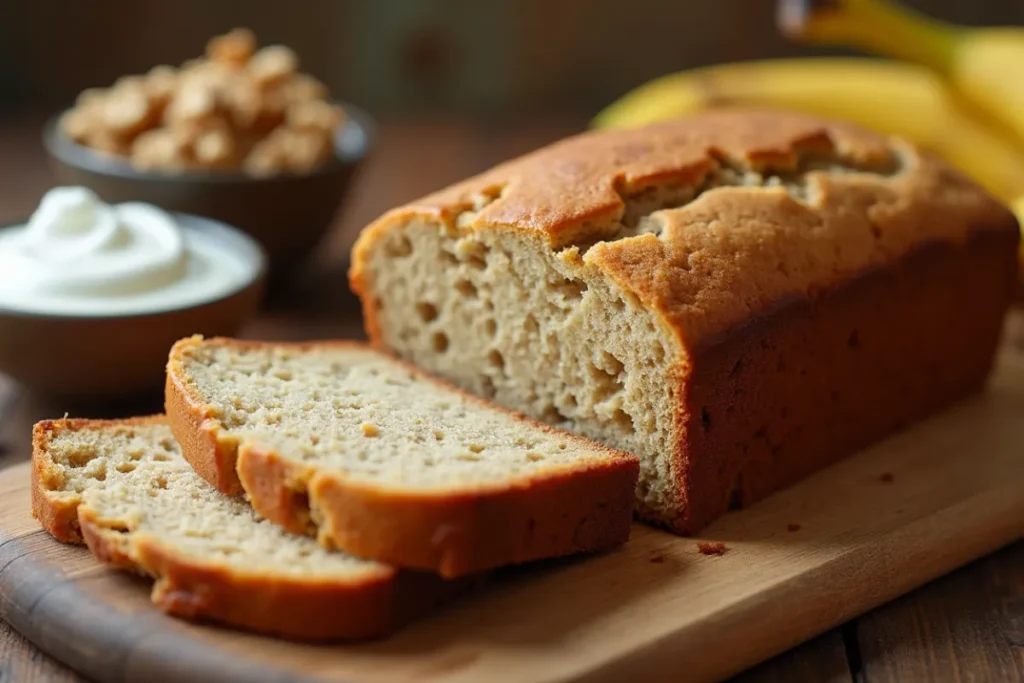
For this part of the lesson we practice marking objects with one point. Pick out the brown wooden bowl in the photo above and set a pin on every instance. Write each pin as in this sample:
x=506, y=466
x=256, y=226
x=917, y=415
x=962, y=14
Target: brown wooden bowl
x=107, y=357
x=288, y=214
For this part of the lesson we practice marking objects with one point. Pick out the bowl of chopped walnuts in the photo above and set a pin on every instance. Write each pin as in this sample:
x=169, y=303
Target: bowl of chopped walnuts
x=239, y=135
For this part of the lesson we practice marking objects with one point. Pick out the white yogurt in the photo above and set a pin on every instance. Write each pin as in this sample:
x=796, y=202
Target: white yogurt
x=80, y=256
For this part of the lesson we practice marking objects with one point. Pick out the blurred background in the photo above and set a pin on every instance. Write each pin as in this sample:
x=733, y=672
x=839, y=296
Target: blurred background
x=493, y=58
x=452, y=86
x=457, y=85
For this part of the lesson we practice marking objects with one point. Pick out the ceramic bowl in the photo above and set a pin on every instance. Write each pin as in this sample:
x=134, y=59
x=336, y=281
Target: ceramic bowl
x=107, y=357
x=287, y=214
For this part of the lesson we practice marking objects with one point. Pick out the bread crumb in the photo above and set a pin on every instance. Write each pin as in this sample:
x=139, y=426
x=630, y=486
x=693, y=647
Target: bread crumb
x=887, y=477
x=792, y=527
x=369, y=429
x=712, y=548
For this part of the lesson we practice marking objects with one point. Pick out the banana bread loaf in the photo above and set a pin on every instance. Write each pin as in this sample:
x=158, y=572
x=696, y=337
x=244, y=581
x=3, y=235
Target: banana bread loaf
x=739, y=298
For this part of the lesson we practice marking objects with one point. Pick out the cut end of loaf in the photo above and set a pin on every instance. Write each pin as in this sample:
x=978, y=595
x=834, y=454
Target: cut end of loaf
x=501, y=315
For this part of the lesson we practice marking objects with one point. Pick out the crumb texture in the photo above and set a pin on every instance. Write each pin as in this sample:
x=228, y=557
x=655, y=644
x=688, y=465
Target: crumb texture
x=536, y=331
x=135, y=480
x=356, y=412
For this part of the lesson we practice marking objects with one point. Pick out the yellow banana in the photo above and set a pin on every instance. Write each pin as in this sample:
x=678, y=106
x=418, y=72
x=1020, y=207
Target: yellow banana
x=981, y=63
x=894, y=98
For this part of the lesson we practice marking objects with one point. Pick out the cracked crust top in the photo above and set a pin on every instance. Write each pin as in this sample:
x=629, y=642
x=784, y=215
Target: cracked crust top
x=715, y=218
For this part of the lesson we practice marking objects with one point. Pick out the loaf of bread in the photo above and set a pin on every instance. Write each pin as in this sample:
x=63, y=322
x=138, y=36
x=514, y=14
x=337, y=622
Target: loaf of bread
x=739, y=298
x=123, y=488
x=337, y=440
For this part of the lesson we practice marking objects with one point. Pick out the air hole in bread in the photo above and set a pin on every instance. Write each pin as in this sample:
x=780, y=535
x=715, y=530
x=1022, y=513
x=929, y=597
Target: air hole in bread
x=606, y=373
x=472, y=253
x=466, y=289
x=426, y=311
x=495, y=358
x=534, y=456
x=487, y=388
x=438, y=435
x=80, y=458
x=659, y=354
x=571, y=290
x=448, y=258
x=623, y=421
x=125, y=467
x=490, y=327
x=476, y=448
x=440, y=341
x=399, y=246
x=552, y=415
x=468, y=457
x=159, y=481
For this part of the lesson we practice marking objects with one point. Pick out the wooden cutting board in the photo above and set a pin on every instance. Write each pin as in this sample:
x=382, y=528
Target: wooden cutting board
x=864, y=531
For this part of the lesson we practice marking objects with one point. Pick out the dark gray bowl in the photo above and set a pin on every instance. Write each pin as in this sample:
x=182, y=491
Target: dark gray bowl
x=287, y=214
x=105, y=357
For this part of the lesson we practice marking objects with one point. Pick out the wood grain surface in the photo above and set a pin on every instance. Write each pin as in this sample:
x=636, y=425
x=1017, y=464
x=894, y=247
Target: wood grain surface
x=870, y=528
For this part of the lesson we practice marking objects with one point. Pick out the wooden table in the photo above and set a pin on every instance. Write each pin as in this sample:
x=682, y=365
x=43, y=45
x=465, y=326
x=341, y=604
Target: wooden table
x=967, y=626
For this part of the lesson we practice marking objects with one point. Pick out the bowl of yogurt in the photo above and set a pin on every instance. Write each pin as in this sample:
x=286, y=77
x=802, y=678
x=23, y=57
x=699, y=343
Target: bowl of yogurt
x=93, y=295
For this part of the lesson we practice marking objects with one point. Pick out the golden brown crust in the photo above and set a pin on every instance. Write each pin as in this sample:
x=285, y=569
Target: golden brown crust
x=454, y=534
x=196, y=431
x=308, y=608
x=725, y=254
x=796, y=390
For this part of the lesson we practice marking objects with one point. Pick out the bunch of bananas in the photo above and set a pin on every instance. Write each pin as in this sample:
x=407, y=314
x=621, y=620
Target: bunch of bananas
x=950, y=91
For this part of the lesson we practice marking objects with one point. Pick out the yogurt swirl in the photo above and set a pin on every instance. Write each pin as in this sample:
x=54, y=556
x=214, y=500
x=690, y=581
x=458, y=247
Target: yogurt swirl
x=80, y=256
x=75, y=244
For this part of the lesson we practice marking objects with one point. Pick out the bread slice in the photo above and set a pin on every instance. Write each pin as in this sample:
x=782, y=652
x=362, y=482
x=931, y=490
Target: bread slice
x=374, y=457
x=123, y=488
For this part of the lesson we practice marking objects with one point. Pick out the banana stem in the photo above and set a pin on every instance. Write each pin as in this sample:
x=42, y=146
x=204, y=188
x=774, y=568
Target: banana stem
x=879, y=26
